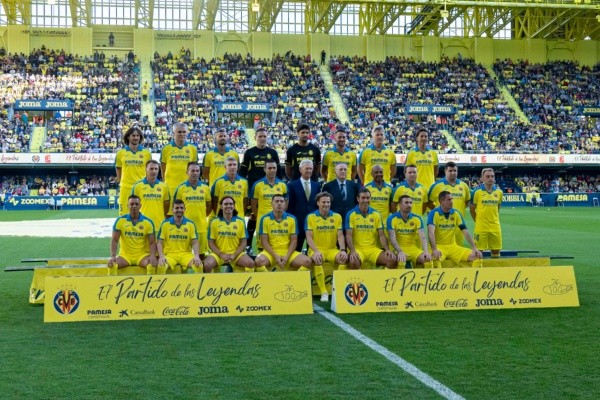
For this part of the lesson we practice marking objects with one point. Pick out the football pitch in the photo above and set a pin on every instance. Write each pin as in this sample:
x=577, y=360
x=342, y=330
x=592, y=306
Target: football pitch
x=488, y=354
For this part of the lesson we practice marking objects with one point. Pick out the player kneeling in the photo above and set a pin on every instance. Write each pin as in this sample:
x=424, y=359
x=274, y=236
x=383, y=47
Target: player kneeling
x=442, y=224
x=227, y=238
x=405, y=228
x=133, y=234
x=278, y=233
x=178, y=242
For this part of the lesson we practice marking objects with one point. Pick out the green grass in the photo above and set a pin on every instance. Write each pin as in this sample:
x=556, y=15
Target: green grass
x=492, y=354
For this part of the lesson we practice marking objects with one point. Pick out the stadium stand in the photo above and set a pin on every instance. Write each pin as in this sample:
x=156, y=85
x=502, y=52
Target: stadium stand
x=378, y=92
x=105, y=92
x=551, y=95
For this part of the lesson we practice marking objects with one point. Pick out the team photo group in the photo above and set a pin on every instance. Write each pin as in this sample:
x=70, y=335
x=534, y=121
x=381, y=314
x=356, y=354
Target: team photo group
x=178, y=214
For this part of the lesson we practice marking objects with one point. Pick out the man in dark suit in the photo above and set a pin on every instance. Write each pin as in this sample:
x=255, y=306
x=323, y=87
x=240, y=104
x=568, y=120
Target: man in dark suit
x=301, y=198
x=344, y=191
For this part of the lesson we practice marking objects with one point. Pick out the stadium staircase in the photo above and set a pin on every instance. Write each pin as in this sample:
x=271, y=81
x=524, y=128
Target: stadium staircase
x=147, y=76
x=334, y=95
x=38, y=139
x=452, y=143
x=507, y=96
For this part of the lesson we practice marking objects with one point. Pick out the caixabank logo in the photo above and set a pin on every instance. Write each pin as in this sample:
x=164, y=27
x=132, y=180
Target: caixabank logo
x=356, y=293
x=66, y=301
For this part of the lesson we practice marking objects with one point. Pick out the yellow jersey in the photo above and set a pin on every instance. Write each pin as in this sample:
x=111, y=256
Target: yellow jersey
x=153, y=197
x=176, y=160
x=324, y=229
x=365, y=228
x=216, y=162
x=263, y=192
x=237, y=189
x=227, y=235
x=278, y=232
x=177, y=239
x=195, y=199
x=334, y=157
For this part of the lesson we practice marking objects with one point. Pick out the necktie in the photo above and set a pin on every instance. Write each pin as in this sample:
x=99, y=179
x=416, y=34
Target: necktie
x=306, y=190
x=343, y=191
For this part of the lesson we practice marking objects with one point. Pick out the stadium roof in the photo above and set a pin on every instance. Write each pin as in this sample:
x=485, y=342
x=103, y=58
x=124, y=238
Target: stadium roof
x=527, y=19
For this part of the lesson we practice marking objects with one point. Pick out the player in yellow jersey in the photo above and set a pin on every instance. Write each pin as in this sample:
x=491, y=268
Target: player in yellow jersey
x=130, y=164
x=381, y=192
x=230, y=184
x=340, y=154
x=485, y=210
x=178, y=243
x=410, y=187
x=227, y=240
x=324, y=235
x=175, y=157
x=263, y=190
x=461, y=194
x=364, y=227
x=133, y=235
x=425, y=158
x=198, y=203
x=213, y=164
x=441, y=224
x=377, y=153
x=154, y=195
x=405, y=229
x=278, y=232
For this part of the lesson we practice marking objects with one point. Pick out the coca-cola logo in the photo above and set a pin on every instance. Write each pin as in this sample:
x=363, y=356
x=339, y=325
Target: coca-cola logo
x=458, y=303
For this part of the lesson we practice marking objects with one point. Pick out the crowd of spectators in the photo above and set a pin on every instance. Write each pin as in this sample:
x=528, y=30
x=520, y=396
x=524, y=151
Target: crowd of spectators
x=107, y=97
x=53, y=185
x=377, y=93
x=551, y=95
x=188, y=90
x=105, y=92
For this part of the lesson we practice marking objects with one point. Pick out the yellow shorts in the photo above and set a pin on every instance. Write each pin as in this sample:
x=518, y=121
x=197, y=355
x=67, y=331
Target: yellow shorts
x=124, y=193
x=328, y=255
x=488, y=240
x=220, y=262
x=454, y=253
x=203, y=242
x=183, y=259
x=274, y=264
x=412, y=253
x=368, y=257
x=133, y=259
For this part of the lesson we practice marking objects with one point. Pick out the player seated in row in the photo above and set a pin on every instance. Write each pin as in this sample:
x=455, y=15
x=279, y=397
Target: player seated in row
x=442, y=223
x=325, y=237
x=405, y=230
x=364, y=234
x=178, y=242
x=133, y=235
x=278, y=232
x=227, y=238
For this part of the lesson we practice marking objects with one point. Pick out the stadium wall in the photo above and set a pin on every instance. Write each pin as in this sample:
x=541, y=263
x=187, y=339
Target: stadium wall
x=208, y=44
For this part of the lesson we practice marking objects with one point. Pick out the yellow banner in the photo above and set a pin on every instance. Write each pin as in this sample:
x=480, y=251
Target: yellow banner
x=453, y=289
x=37, y=291
x=328, y=267
x=176, y=296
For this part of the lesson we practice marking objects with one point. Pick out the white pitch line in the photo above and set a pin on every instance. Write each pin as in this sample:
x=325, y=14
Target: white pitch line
x=407, y=367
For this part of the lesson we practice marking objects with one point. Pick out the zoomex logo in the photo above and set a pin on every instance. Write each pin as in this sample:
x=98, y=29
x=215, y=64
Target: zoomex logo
x=356, y=293
x=66, y=301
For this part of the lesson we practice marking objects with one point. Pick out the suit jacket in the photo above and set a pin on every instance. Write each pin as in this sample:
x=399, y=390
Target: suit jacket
x=338, y=205
x=298, y=206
